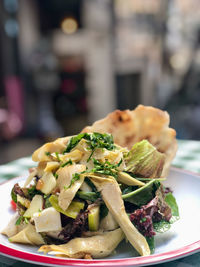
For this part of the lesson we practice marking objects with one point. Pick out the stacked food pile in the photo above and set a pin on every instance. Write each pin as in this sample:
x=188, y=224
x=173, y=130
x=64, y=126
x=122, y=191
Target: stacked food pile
x=92, y=190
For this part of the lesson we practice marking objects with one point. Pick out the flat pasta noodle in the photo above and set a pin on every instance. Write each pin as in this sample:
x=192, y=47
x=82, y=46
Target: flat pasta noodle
x=98, y=246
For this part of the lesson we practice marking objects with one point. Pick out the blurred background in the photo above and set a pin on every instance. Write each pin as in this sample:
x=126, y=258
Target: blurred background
x=67, y=63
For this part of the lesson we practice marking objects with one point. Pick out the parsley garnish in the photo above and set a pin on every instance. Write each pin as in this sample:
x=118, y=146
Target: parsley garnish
x=69, y=162
x=19, y=220
x=47, y=153
x=75, y=177
x=55, y=175
x=105, y=168
x=32, y=191
x=74, y=141
x=57, y=156
x=94, y=140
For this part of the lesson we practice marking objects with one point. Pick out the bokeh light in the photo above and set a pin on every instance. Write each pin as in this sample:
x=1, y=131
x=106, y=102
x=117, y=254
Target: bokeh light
x=69, y=25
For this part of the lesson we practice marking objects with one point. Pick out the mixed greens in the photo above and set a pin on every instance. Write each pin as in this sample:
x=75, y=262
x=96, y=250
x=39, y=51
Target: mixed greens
x=93, y=190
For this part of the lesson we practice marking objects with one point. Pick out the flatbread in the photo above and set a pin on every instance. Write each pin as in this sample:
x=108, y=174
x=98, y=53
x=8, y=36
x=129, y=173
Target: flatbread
x=144, y=122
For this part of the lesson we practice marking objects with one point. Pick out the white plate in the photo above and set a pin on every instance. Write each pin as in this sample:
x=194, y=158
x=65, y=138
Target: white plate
x=181, y=240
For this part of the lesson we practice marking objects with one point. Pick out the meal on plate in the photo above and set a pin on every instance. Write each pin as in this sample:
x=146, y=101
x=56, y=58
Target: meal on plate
x=94, y=189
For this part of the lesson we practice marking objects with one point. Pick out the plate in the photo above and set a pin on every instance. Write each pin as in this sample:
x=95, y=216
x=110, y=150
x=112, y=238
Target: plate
x=181, y=240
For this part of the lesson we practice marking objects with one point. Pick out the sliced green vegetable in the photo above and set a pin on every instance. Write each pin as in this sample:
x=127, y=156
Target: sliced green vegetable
x=73, y=210
x=93, y=218
x=142, y=195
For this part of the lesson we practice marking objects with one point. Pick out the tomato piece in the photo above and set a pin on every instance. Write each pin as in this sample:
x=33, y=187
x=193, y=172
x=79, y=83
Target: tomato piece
x=13, y=205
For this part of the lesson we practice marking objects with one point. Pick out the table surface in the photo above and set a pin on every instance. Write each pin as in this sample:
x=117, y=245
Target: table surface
x=187, y=157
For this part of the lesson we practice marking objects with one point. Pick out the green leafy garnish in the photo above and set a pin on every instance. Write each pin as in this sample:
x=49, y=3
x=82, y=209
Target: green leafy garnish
x=105, y=168
x=57, y=156
x=75, y=177
x=74, y=142
x=69, y=162
x=47, y=153
x=19, y=220
x=32, y=191
x=94, y=140
x=55, y=175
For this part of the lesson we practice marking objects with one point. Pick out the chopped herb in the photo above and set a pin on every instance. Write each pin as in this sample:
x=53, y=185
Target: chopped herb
x=98, y=140
x=47, y=153
x=75, y=177
x=91, y=155
x=143, y=220
x=105, y=168
x=69, y=162
x=94, y=140
x=55, y=175
x=57, y=156
x=47, y=203
x=74, y=141
x=19, y=220
x=32, y=191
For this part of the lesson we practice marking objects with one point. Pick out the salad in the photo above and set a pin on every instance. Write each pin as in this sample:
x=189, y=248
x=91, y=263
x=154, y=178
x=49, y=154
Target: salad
x=88, y=193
